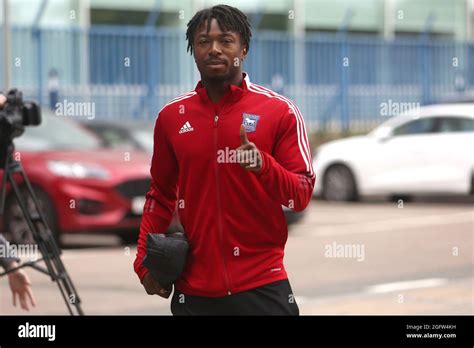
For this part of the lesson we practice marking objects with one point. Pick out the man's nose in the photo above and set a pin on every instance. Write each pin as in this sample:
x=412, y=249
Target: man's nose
x=215, y=48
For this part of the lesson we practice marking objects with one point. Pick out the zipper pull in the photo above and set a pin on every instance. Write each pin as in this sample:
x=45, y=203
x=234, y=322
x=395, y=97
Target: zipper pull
x=216, y=118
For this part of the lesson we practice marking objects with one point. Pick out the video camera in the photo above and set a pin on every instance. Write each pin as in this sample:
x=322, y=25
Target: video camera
x=17, y=114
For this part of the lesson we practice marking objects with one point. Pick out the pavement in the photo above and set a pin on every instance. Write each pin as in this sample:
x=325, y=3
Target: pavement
x=342, y=258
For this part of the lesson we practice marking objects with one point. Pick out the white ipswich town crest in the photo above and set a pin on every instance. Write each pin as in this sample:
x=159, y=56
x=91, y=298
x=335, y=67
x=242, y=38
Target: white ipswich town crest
x=250, y=122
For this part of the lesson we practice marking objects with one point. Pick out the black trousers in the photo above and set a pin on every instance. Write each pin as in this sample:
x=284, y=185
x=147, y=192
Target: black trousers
x=272, y=299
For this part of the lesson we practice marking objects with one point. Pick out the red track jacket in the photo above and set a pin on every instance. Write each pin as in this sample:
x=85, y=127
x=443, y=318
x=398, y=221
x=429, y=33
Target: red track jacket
x=233, y=218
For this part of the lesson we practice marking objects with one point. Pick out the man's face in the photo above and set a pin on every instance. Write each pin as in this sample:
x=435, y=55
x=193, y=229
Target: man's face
x=218, y=54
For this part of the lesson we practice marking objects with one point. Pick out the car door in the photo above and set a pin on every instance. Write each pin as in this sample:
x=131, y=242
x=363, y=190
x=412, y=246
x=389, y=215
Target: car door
x=404, y=162
x=454, y=162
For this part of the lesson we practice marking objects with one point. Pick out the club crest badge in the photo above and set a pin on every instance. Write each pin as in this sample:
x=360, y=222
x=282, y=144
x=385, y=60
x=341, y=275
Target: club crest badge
x=250, y=122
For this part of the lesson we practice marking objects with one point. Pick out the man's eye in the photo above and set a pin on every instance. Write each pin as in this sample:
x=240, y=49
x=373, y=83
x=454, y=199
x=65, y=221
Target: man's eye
x=202, y=41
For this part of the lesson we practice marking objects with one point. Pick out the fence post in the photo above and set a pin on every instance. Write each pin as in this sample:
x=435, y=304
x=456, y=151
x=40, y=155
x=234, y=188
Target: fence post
x=299, y=53
x=36, y=31
x=6, y=47
x=39, y=56
x=345, y=66
x=425, y=45
x=152, y=50
x=344, y=91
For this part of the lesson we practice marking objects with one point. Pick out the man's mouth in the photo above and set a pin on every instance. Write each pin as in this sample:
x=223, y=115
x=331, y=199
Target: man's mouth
x=215, y=62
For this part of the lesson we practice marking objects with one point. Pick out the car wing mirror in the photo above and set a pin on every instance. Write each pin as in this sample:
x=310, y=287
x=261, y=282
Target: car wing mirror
x=383, y=134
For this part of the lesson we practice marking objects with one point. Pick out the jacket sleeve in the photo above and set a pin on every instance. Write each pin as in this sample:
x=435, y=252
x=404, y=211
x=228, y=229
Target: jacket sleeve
x=288, y=175
x=161, y=198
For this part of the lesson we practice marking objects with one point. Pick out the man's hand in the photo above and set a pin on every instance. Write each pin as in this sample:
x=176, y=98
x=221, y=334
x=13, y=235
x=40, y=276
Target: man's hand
x=3, y=100
x=20, y=286
x=248, y=155
x=152, y=287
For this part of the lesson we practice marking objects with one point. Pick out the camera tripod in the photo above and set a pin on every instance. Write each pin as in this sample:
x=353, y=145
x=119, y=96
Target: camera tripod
x=51, y=254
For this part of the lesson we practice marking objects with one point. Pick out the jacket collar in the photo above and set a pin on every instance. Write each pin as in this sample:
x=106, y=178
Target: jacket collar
x=234, y=92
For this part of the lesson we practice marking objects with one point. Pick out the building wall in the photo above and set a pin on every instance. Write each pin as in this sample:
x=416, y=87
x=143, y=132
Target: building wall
x=450, y=17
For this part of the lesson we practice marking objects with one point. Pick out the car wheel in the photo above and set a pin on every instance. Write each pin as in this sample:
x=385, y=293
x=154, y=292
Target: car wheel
x=128, y=237
x=401, y=197
x=16, y=227
x=339, y=184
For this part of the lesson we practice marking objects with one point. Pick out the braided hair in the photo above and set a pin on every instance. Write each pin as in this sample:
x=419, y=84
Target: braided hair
x=228, y=18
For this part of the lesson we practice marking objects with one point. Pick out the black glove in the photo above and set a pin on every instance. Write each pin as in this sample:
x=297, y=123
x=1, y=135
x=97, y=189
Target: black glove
x=166, y=255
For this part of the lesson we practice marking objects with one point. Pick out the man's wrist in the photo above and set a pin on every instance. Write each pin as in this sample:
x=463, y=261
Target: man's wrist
x=143, y=275
x=10, y=265
x=264, y=166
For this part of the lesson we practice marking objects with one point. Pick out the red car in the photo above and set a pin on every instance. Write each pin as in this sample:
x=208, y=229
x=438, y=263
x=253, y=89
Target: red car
x=81, y=186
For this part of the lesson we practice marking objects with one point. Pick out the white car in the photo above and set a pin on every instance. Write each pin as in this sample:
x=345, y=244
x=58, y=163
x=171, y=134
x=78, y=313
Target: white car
x=426, y=151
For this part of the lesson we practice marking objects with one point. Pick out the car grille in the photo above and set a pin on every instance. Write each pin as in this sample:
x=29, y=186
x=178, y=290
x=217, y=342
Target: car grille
x=134, y=188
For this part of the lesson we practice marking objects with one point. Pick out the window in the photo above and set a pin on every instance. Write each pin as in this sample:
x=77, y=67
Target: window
x=57, y=132
x=421, y=126
x=456, y=124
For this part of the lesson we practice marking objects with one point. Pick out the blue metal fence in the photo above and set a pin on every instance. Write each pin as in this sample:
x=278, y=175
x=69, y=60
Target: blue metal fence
x=130, y=72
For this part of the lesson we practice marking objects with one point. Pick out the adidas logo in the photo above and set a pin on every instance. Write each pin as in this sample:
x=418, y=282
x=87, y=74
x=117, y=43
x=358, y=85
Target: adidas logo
x=186, y=128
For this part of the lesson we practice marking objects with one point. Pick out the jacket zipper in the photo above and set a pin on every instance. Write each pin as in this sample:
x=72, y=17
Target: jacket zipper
x=219, y=215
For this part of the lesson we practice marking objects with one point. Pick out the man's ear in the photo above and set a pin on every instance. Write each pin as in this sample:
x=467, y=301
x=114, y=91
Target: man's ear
x=244, y=52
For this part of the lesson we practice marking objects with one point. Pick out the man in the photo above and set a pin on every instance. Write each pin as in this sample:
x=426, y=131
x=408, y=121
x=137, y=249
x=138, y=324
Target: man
x=231, y=212
x=20, y=284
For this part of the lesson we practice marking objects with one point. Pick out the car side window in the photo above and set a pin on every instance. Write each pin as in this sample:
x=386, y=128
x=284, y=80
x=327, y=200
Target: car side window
x=113, y=137
x=420, y=126
x=456, y=124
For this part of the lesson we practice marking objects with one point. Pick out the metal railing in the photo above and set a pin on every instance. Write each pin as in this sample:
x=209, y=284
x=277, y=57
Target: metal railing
x=130, y=72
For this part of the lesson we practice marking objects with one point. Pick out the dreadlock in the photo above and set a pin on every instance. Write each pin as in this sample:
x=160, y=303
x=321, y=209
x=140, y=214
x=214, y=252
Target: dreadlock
x=228, y=18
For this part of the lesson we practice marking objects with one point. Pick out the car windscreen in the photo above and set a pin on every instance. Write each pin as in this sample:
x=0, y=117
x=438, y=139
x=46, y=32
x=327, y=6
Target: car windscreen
x=144, y=138
x=112, y=137
x=56, y=133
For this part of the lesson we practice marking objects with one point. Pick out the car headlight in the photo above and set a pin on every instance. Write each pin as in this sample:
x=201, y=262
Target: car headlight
x=78, y=170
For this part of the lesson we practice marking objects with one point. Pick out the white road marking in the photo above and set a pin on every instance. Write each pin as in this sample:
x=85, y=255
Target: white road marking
x=406, y=285
x=399, y=224
x=375, y=289
x=302, y=299
x=88, y=253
